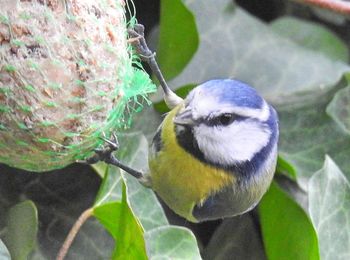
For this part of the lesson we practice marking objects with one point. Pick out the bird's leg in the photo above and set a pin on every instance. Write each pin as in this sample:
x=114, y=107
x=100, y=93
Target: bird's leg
x=137, y=40
x=105, y=154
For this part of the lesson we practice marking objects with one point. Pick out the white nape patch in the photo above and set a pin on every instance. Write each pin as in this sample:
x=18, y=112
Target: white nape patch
x=231, y=144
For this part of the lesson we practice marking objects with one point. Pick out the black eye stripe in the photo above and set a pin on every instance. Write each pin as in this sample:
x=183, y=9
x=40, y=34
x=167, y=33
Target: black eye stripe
x=222, y=120
x=225, y=119
x=214, y=121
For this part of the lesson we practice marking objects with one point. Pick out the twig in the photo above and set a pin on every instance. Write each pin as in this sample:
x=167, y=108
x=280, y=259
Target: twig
x=73, y=232
x=333, y=5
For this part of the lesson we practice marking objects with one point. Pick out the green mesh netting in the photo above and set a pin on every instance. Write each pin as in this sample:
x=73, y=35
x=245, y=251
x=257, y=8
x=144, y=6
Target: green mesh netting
x=66, y=76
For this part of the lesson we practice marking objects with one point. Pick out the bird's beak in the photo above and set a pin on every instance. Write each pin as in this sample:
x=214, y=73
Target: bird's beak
x=184, y=118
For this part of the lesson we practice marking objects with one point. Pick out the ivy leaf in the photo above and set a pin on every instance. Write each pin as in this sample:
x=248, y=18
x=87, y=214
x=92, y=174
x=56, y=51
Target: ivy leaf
x=238, y=237
x=286, y=229
x=120, y=221
x=173, y=54
x=329, y=206
x=110, y=189
x=22, y=229
x=339, y=109
x=142, y=205
x=298, y=72
x=286, y=168
x=134, y=153
x=307, y=134
x=147, y=122
x=234, y=44
x=293, y=76
x=171, y=242
x=312, y=36
x=4, y=253
x=60, y=196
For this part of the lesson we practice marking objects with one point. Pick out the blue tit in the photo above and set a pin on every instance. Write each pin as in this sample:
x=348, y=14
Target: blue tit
x=215, y=153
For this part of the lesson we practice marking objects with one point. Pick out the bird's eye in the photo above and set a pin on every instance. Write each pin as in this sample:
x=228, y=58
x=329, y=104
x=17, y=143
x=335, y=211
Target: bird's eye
x=226, y=119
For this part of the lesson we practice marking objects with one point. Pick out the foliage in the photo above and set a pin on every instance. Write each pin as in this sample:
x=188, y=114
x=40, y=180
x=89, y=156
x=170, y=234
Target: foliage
x=330, y=212
x=136, y=221
x=22, y=225
x=300, y=67
x=280, y=217
x=173, y=63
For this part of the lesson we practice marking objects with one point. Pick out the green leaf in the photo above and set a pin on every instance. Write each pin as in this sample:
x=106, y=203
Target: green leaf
x=22, y=228
x=235, y=44
x=306, y=134
x=60, y=196
x=153, y=223
x=292, y=76
x=293, y=190
x=110, y=189
x=140, y=204
x=178, y=37
x=286, y=229
x=312, y=36
x=4, y=253
x=170, y=242
x=285, y=168
x=329, y=206
x=339, y=109
x=134, y=153
x=119, y=220
x=298, y=72
x=148, y=121
x=238, y=237
x=100, y=168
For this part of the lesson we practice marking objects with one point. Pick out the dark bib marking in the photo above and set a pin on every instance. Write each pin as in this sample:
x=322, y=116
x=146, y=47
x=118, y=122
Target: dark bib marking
x=186, y=140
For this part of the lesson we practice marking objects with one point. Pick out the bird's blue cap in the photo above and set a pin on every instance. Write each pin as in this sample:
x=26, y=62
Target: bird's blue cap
x=233, y=92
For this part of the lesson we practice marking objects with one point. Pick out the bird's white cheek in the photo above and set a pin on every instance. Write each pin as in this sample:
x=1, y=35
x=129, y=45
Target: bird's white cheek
x=233, y=144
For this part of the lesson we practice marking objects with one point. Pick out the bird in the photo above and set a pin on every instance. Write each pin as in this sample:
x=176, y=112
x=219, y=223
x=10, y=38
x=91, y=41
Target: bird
x=215, y=153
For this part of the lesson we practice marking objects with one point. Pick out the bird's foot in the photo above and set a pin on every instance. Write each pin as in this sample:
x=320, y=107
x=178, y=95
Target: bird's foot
x=137, y=40
x=105, y=153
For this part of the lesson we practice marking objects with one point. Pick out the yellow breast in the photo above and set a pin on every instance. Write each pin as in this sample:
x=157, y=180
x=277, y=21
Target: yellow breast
x=180, y=179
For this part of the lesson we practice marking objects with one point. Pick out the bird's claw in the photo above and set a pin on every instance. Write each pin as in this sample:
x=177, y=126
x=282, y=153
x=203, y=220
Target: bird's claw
x=112, y=143
x=137, y=40
x=106, y=152
x=138, y=30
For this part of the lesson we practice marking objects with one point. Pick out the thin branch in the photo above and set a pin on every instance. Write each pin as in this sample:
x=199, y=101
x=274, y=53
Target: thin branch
x=338, y=6
x=73, y=232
